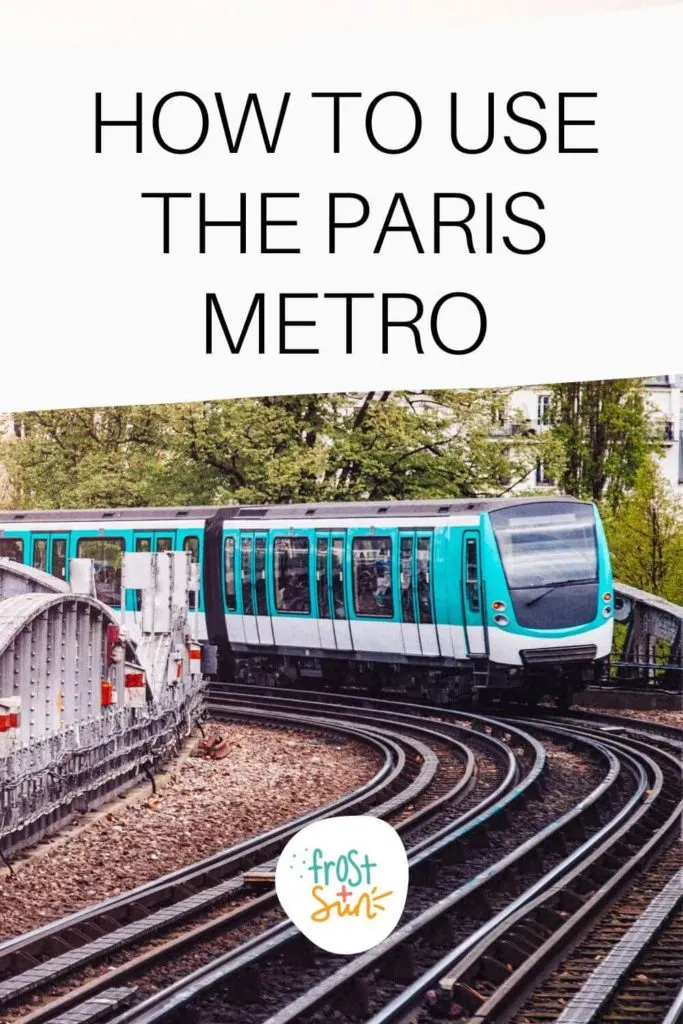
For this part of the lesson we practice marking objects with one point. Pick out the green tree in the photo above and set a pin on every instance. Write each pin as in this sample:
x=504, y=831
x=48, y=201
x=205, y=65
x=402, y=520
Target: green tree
x=645, y=536
x=377, y=446
x=84, y=457
x=607, y=433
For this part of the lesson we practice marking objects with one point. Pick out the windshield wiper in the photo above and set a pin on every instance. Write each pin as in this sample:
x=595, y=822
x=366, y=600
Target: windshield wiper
x=554, y=586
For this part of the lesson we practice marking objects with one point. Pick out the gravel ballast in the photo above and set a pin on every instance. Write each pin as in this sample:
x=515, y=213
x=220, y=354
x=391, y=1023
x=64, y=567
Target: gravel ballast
x=663, y=717
x=269, y=776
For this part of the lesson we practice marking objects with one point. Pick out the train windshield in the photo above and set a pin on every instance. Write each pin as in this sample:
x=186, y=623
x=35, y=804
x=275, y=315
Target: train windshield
x=547, y=544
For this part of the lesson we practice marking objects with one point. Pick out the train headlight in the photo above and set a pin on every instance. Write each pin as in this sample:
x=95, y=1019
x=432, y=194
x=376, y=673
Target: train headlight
x=498, y=606
x=607, y=597
x=607, y=612
x=501, y=620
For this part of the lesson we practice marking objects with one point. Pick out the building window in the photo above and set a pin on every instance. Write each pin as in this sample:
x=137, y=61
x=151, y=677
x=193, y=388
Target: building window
x=542, y=476
x=543, y=413
x=292, y=581
x=372, y=593
x=12, y=548
x=107, y=557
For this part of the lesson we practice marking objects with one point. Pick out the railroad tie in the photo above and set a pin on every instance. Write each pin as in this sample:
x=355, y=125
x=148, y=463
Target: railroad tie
x=605, y=979
x=21, y=984
x=97, y=1008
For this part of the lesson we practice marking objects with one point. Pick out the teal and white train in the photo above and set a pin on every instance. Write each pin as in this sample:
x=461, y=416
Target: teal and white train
x=496, y=597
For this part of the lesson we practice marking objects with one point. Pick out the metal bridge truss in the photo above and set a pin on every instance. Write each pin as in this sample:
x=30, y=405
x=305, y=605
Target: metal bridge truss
x=64, y=748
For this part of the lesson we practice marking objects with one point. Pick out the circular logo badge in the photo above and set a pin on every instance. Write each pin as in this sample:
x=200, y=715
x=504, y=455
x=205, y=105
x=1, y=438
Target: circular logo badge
x=343, y=882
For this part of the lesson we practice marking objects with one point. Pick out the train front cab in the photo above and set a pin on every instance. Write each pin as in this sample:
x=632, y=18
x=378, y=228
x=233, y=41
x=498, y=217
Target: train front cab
x=549, y=598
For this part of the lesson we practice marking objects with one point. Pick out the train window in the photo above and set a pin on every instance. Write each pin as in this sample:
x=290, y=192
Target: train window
x=472, y=574
x=247, y=599
x=407, y=609
x=12, y=548
x=261, y=601
x=292, y=585
x=372, y=577
x=229, y=566
x=321, y=575
x=164, y=544
x=542, y=545
x=107, y=556
x=191, y=544
x=424, y=580
x=338, y=578
x=59, y=558
x=40, y=554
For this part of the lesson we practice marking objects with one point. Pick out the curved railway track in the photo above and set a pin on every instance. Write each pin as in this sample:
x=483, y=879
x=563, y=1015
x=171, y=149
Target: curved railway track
x=411, y=785
x=518, y=863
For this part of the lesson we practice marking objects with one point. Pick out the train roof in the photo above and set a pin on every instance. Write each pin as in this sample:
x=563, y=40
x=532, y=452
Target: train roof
x=320, y=510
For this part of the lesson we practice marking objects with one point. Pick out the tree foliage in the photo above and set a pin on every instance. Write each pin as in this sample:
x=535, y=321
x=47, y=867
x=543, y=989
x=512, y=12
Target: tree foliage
x=606, y=431
x=376, y=446
x=645, y=536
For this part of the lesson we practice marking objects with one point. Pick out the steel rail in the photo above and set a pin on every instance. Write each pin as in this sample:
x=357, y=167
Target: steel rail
x=675, y=1014
x=25, y=947
x=612, y=972
x=237, y=916
x=176, y=996
x=460, y=961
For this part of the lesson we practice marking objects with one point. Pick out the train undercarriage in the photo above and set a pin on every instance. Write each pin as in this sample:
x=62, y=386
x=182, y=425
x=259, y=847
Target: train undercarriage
x=467, y=683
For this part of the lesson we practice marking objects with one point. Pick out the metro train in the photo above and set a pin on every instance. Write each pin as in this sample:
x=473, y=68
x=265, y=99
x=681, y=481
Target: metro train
x=456, y=599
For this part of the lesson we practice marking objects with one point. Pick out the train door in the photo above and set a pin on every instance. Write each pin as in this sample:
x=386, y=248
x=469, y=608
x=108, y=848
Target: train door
x=258, y=629
x=333, y=619
x=50, y=552
x=417, y=593
x=192, y=542
x=59, y=555
x=264, y=623
x=374, y=589
x=230, y=587
x=476, y=639
x=342, y=624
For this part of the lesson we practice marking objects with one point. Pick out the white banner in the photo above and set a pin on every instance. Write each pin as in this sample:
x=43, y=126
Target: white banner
x=503, y=204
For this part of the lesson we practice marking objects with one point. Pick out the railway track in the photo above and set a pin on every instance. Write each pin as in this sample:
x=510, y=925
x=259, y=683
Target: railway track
x=416, y=788
x=31, y=962
x=437, y=861
x=509, y=872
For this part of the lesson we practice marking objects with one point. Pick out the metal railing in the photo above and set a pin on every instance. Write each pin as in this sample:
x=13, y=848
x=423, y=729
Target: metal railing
x=652, y=652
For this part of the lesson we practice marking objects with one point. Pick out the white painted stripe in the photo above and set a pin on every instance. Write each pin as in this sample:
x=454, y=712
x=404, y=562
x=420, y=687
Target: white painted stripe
x=505, y=645
x=110, y=525
x=352, y=523
x=160, y=525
